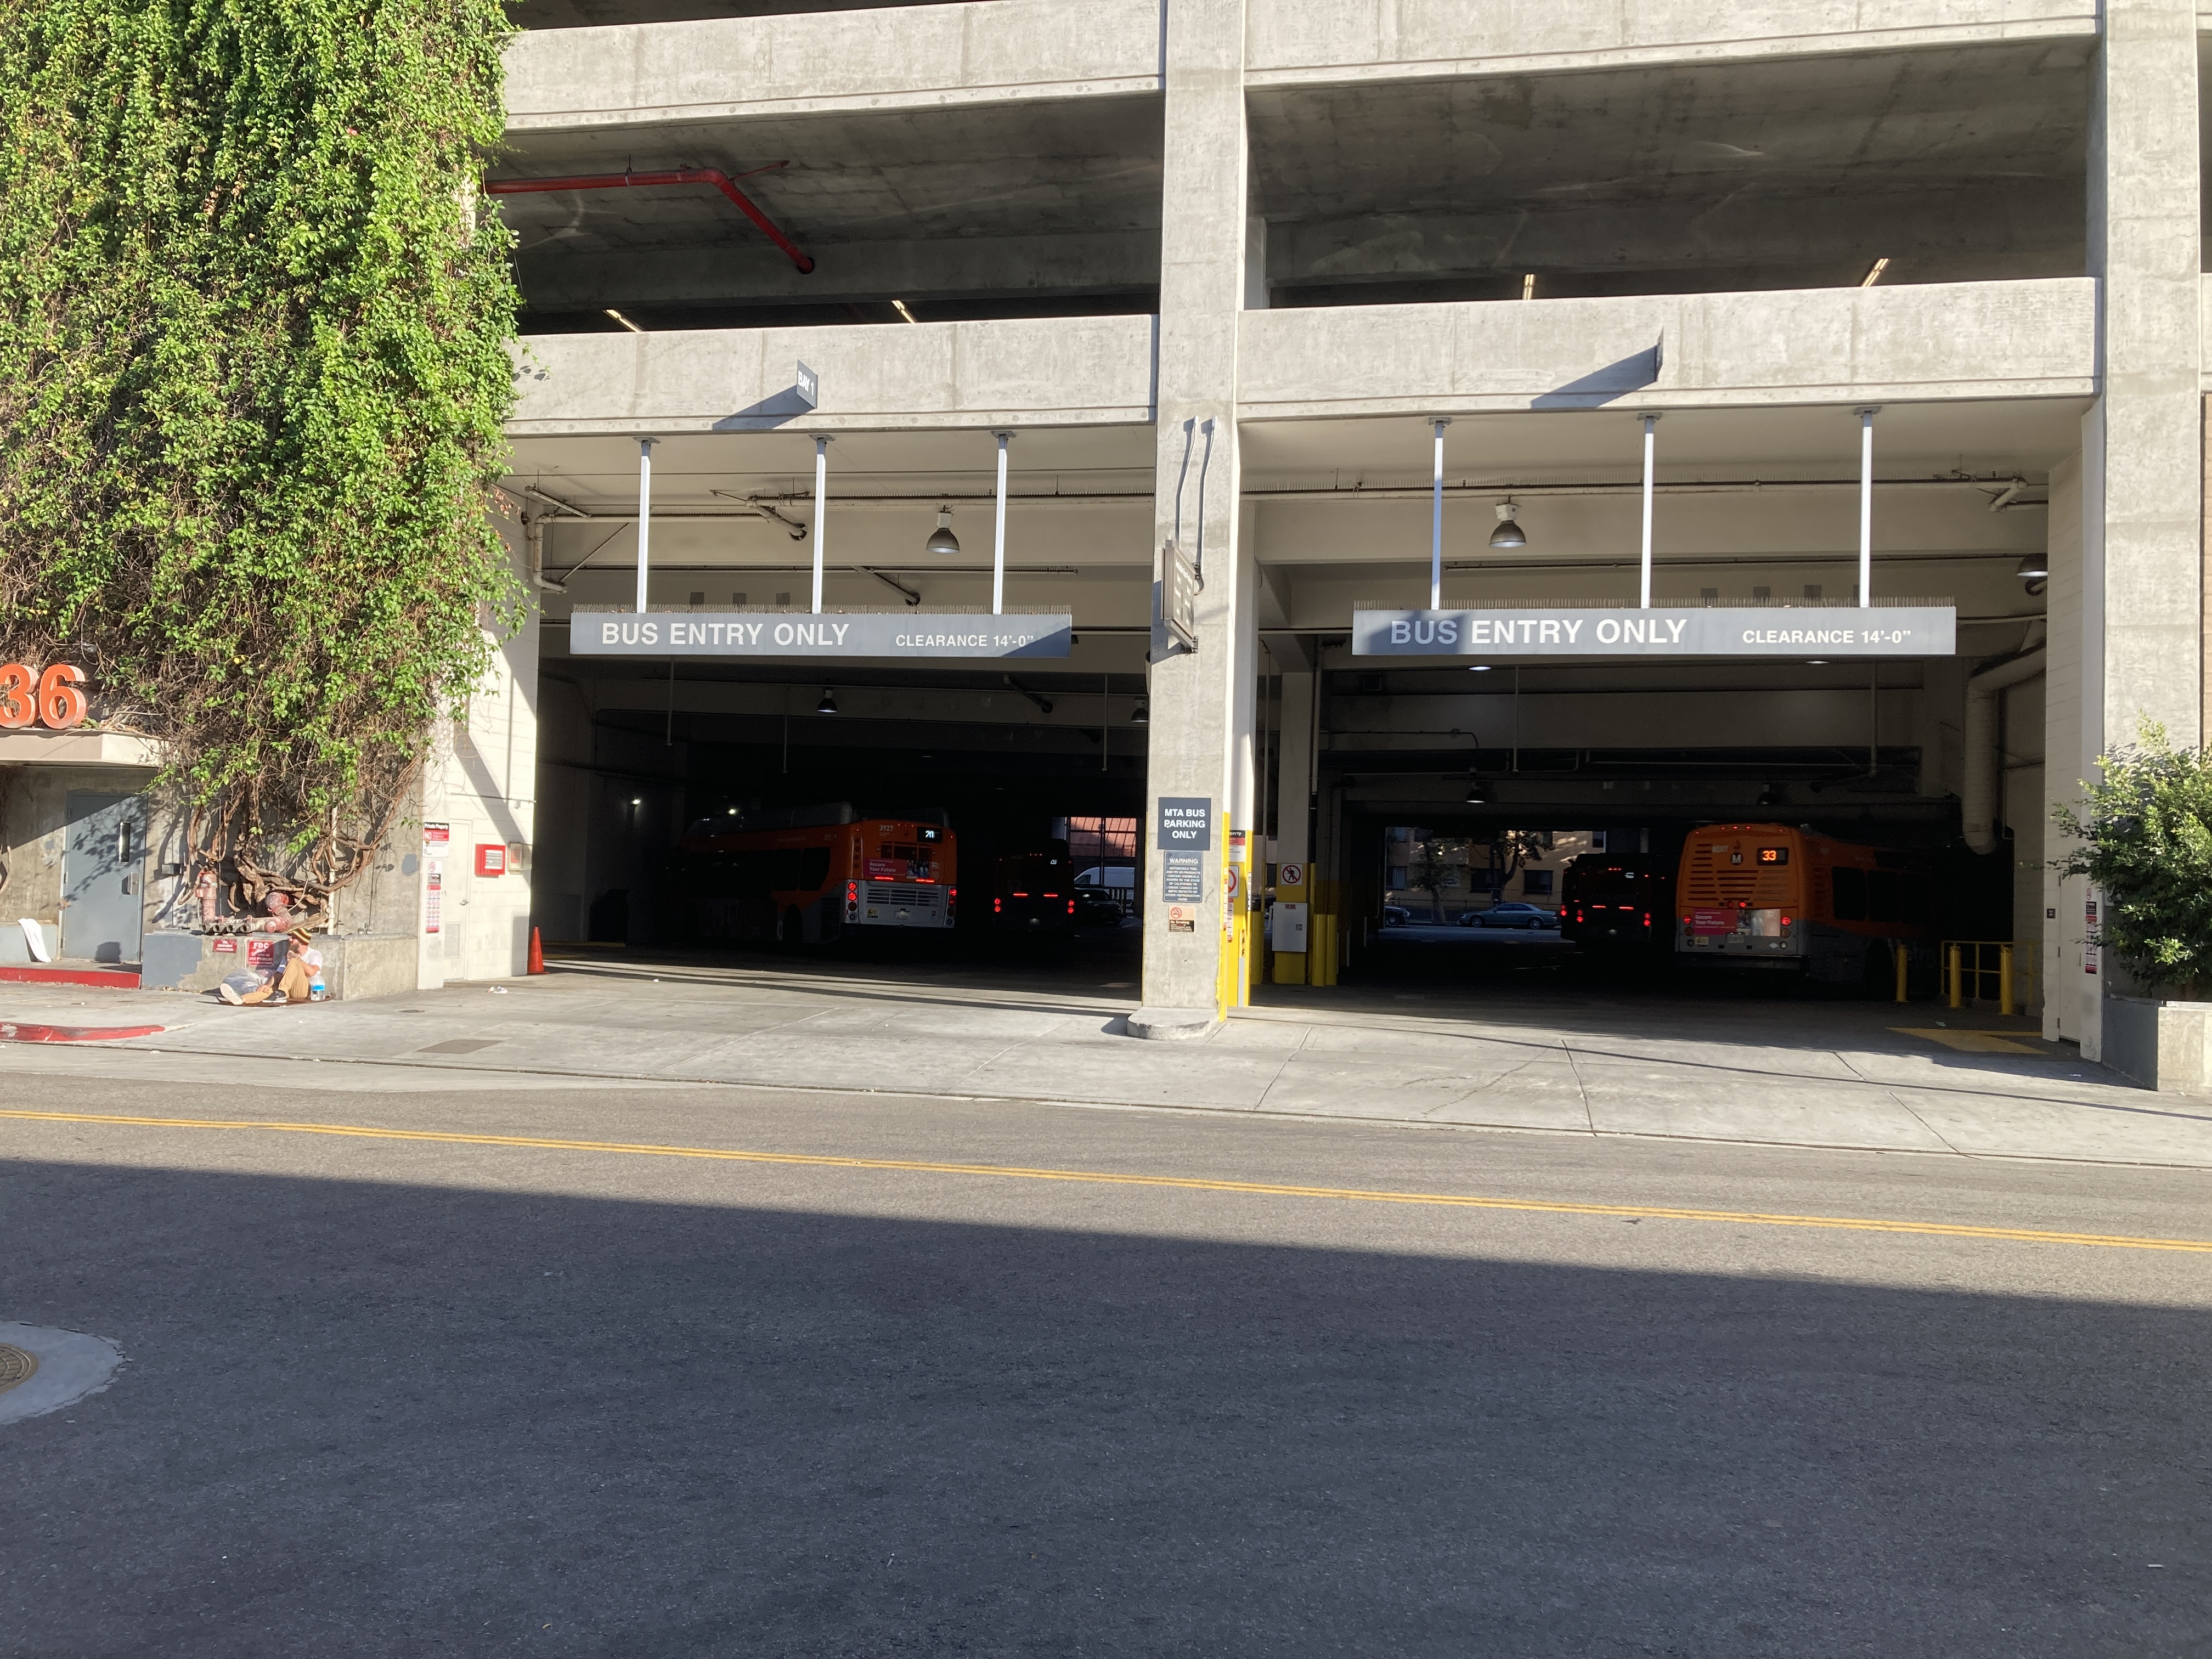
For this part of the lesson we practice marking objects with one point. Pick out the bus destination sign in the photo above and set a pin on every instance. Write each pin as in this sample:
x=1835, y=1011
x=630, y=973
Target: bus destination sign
x=1690, y=631
x=909, y=634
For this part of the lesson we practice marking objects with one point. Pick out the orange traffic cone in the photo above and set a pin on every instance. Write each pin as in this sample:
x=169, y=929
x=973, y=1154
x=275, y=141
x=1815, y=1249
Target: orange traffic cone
x=537, y=954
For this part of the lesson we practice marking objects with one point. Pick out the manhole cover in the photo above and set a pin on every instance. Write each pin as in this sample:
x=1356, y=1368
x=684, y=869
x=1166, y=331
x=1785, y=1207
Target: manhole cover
x=16, y=1365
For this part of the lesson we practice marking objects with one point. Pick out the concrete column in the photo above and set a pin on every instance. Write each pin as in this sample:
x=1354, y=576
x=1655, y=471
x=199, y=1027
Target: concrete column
x=2142, y=609
x=2065, y=986
x=1201, y=738
x=1294, y=782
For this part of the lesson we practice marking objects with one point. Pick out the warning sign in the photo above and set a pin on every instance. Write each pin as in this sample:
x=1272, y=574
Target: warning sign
x=1181, y=920
x=1182, y=878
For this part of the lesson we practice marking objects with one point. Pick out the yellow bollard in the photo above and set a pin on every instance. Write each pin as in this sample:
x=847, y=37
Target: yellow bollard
x=2004, y=980
x=1897, y=951
x=1951, y=966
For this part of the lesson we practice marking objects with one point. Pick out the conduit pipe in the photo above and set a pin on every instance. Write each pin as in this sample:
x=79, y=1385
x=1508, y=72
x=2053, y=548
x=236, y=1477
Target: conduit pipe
x=715, y=176
x=1978, y=790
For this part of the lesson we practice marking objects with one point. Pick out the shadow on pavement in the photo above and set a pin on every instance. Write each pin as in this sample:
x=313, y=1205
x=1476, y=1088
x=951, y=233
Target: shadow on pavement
x=380, y=1418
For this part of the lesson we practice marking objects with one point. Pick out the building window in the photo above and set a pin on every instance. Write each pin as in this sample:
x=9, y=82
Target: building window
x=1536, y=881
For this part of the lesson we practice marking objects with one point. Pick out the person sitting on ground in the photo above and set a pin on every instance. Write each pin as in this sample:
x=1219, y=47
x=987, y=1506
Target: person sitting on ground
x=289, y=983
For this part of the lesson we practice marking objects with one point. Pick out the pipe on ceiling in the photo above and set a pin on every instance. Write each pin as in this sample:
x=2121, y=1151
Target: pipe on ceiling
x=715, y=176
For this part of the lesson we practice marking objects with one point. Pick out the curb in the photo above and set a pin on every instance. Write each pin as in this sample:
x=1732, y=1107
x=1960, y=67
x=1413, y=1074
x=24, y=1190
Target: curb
x=13, y=1031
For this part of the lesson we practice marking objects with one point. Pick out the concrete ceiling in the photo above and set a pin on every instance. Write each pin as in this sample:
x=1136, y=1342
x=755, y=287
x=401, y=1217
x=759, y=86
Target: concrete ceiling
x=1950, y=161
x=1050, y=196
x=1911, y=439
x=600, y=474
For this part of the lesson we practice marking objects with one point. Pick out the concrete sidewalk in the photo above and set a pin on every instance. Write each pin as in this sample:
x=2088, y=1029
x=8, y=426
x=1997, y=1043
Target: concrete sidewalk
x=1798, y=1073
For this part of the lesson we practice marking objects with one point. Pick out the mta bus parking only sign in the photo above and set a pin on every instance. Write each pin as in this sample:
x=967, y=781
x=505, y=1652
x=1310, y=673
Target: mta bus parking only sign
x=1879, y=630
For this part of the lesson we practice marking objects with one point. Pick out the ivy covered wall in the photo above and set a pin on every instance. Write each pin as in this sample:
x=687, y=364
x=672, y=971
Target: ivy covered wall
x=253, y=369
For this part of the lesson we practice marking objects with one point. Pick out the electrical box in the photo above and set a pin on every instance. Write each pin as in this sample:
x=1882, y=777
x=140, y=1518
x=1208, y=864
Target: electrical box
x=491, y=857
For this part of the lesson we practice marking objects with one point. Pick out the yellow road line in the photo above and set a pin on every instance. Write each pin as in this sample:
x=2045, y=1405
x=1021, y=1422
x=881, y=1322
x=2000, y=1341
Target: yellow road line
x=1109, y=1178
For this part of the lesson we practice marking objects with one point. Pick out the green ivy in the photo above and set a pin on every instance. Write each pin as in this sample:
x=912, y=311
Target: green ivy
x=254, y=374
x=2146, y=835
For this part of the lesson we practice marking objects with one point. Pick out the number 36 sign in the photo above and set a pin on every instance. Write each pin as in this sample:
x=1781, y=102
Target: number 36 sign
x=54, y=698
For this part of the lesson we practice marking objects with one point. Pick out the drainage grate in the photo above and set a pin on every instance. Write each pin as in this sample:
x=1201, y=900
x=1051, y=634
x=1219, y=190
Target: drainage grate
x=460, y=1046
x=16, y=1365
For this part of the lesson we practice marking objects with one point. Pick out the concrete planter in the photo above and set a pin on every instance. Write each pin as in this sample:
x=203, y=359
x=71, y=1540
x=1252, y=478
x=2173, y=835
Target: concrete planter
x=2167, y=1046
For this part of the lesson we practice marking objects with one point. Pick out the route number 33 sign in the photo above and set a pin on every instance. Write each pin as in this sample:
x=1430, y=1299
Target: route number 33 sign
x=54, y=698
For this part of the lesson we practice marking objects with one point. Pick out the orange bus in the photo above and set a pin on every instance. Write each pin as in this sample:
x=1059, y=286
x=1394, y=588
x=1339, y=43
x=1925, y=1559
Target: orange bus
x=1767, y=895
x=821, y=873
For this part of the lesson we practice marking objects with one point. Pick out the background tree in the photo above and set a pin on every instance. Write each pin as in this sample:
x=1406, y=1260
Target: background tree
x=1510, y=849
x=253, y=376
x=1432, y=870
x=2146, y=841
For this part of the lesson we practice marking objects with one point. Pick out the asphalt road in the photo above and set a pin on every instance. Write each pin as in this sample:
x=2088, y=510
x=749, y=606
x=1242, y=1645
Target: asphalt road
x=428, y=1397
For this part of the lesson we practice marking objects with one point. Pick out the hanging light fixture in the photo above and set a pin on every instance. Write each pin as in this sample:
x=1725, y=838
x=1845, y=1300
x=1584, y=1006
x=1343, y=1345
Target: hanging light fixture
x=1141, y=715
x=1477, y=795
x=1772, y=795
x=941, y=539
x=1507, y=534
x=829, y=703
x=2035, y=568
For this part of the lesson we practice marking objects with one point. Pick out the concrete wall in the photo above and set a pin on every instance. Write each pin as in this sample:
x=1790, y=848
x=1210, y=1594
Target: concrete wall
x=2031, y=339
x=1055, y=371
x=482, y=782
x=2067, y=1000
x=913, y=56
x=1295, y=41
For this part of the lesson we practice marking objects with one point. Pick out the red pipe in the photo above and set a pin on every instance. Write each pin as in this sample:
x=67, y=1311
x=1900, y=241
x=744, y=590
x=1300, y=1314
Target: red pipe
x=714, y=176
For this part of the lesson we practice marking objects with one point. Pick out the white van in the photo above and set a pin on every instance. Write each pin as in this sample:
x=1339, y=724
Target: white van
x=1118, y=880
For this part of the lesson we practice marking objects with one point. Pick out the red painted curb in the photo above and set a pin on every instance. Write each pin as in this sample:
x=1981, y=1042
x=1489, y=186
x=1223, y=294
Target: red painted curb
x=12, y=1032
x=106, y=979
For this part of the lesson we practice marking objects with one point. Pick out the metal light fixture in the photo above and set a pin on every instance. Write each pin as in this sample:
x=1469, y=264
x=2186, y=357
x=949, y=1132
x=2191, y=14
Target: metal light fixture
x=941, y=539
x=1507, y=534
x=1478, y=668
x=2035, y=568
x=829, y=703
x=1771, y=796
x=1477, y=795
x=1141, y=715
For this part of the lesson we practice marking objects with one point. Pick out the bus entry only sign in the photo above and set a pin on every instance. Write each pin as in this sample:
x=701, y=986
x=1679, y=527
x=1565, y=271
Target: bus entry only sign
x=783, y=633
x=1690, y=631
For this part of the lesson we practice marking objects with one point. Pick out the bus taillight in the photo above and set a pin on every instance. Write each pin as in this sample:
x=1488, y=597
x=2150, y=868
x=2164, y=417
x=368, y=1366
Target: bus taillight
x=998, y=906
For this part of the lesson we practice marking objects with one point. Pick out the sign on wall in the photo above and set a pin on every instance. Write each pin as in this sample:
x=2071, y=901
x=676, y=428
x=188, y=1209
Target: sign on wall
x=1689, y=631
x=912, y=634
x=1179, y=585
x=1182, y=879
x=1186, y=823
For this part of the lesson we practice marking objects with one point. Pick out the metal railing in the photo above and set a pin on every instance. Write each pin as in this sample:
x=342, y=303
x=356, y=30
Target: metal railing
x=1985, y=970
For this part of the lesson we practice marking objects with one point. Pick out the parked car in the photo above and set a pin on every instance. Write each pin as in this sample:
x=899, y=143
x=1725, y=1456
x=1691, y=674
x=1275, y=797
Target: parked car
x=1511, y=914
x=1396, y=915
x=1096, y=907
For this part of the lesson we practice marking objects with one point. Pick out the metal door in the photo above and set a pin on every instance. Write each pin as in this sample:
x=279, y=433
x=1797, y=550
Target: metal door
x=103, y=906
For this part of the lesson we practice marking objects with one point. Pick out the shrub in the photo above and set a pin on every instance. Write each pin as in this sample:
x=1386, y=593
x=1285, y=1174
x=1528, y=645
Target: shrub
x=2146, y=841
